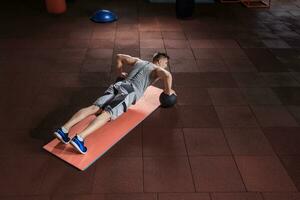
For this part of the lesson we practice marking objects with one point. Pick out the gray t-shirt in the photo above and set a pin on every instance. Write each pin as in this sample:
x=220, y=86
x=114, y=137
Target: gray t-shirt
x=140, y=76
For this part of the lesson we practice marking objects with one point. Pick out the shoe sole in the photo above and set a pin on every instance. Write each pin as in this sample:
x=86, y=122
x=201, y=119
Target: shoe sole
x=77, y=147
x=60, y=138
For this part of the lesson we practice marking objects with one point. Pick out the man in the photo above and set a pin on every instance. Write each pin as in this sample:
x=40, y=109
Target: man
x=119, y=96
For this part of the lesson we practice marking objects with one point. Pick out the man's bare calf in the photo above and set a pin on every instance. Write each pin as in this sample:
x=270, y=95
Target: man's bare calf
x=81, y=114
x=78, y=140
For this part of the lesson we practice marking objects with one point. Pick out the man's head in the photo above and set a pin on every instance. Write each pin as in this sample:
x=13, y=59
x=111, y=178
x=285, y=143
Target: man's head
x=161, y=59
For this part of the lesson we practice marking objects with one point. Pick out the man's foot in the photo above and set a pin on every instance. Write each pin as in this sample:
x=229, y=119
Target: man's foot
x=78, y=143
x=62, y=136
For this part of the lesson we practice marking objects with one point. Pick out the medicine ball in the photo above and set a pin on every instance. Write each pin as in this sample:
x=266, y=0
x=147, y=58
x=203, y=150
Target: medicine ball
x=167, y=100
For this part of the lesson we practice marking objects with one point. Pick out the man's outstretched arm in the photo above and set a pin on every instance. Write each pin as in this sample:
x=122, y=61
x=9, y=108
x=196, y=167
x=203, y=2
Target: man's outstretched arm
x=166, y=76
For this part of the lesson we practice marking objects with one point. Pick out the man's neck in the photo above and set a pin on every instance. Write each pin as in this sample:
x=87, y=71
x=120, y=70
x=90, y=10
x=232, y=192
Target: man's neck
x=155, y=63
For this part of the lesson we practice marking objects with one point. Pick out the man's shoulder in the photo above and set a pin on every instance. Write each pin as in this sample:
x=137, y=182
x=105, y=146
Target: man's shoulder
x=141, y=60
x=138, y=61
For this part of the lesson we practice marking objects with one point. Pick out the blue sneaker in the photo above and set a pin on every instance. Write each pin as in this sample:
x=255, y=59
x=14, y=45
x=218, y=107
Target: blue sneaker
x=62, y=136
x=79, y=145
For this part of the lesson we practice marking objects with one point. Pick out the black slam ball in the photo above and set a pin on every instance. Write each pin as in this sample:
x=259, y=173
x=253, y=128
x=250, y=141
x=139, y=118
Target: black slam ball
x=167, y=100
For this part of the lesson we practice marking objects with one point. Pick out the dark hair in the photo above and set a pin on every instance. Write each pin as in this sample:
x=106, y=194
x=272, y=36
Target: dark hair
x=159, y=55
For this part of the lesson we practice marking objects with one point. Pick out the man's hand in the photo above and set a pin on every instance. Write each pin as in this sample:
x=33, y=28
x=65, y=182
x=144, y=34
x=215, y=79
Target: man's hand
x=121, y=77
x=169, y=92
x=123, y=74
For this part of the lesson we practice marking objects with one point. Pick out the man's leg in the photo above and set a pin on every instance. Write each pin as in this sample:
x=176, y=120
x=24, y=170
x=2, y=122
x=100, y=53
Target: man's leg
x=111, y=111
x=93, y=109
x=98, y=122
x=115, y=107
x=62, y=133
x=81, y=114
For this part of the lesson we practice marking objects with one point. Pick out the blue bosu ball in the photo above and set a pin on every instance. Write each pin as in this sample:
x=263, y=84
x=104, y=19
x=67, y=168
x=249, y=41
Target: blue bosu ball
x=103, y=16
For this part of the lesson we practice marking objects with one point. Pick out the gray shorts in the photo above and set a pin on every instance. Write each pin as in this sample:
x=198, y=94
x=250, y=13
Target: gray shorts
x=117, y=98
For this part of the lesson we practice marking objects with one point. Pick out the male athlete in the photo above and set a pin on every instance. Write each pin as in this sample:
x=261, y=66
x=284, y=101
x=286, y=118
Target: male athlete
x=119, y=96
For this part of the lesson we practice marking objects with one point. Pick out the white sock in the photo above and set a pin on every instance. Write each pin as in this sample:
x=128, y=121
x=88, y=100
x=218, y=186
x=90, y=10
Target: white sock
x=64, y=129
x=79, y=138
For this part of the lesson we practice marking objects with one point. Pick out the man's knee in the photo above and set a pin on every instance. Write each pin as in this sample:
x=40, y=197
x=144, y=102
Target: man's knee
x=90, y=109
x=106, y=115
x=94, y=108
x=97, y=110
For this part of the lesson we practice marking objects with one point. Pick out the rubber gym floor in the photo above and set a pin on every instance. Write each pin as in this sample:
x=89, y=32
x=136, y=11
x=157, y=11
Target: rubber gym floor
x=233, y=134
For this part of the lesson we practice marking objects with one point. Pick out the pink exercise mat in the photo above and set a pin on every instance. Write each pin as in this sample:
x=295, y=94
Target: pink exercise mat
x=104, y=138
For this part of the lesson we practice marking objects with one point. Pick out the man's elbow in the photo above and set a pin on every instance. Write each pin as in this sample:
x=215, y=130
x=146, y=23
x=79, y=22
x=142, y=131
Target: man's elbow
x=118, y=56
x=119, y=61
x=167, y=75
